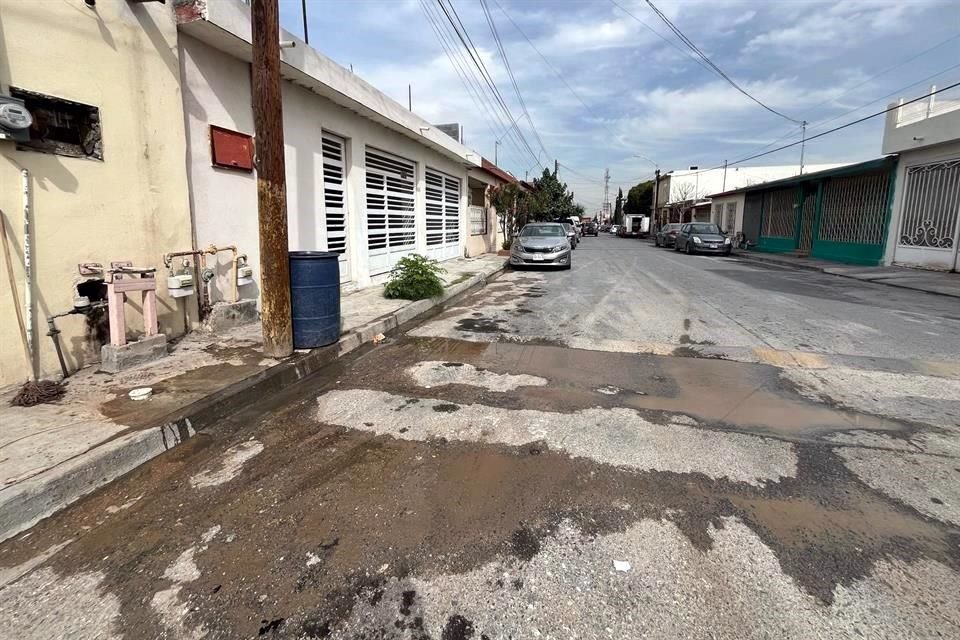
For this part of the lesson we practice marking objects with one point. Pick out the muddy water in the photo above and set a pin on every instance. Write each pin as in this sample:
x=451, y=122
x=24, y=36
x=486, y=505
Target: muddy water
x=370, y=508
x=744, y=396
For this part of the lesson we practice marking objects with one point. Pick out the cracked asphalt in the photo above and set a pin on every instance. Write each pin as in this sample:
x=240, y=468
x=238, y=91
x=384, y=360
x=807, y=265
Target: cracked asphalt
x=649, y=446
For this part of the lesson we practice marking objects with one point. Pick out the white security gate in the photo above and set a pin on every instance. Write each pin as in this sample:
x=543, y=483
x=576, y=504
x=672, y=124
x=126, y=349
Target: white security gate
x=391, y=221
x=930, y=216
x=335, y=201
x=443, y=215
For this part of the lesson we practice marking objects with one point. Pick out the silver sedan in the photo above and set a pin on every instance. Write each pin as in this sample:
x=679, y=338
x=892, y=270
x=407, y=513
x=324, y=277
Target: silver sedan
x=541, y=243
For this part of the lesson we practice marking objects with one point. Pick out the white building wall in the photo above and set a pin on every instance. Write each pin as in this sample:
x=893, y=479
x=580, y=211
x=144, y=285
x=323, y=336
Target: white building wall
x=217, y=92
x=696, y=185
x=917, y=256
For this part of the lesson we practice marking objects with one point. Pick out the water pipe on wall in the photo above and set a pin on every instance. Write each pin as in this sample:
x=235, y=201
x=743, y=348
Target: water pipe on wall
x=206, y=274
x=28, y=272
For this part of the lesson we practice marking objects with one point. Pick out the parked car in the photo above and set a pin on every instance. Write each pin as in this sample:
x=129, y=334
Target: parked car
x=591, y=229
x=702, y=237
x=615, y=229
x=667, y=235
x=542, y=243
x=573, y=237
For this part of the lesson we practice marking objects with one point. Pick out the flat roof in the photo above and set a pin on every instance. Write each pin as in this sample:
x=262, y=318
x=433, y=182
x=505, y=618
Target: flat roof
x=869, y=166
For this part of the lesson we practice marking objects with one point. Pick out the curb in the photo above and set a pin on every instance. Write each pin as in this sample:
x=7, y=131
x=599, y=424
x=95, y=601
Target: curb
x=756, y=257
x=41, y=496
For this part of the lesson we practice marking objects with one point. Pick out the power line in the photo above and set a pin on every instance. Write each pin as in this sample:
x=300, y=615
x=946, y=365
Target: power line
x=506, y=63
x=467, y=42
x=467, y=75
x=892, y=93
x=557, y=73
x=843, y=126
x=700, y=54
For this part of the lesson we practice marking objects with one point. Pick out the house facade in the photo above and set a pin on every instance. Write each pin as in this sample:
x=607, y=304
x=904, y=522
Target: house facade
x=925, y=225
x=141, y=145
x=99, y=172
x=685, y=195
x=840, y=214
x=366, y=178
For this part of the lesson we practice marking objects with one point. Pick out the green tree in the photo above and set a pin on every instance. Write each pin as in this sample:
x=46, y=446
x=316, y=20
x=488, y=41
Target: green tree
x=551, y=199
x=639, y=199
x=618, y=209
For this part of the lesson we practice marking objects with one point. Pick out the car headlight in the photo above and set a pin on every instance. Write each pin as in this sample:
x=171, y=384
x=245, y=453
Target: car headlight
x=726, y=241
x=697, y=240
x=517, y=247
x=559, y=247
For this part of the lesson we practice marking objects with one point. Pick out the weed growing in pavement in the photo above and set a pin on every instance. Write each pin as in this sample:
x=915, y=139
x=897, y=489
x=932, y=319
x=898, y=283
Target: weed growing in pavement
x=414, y=278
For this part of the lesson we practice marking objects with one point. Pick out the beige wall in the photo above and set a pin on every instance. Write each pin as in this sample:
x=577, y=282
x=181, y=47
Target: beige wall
x=122, y=58
x=481, y=182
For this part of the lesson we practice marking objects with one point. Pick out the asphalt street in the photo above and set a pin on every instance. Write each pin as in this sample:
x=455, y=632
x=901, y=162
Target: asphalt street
x=651, y=445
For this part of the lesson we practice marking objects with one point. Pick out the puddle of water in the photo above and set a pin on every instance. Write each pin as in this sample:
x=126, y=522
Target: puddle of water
x=742, y=395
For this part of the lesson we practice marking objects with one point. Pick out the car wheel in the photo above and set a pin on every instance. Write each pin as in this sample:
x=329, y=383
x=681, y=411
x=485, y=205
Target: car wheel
x=656, y=242
x=688, y=249
x=569, y=265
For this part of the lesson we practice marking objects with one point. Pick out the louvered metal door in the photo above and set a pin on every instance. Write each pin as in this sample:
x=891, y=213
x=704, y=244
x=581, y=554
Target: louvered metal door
x=335, y=200
x=443, y=215
x=391, y=221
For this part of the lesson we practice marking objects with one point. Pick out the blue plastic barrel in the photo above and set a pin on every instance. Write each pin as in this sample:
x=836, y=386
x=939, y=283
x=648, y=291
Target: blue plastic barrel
x=315, y=298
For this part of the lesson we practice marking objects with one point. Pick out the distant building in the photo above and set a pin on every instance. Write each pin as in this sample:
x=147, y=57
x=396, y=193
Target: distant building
x=684, y=195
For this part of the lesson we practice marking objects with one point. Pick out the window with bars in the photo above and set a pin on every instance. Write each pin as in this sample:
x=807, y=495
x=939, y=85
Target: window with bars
x=443, y=208
x=854, y=209
x=931, y=205
x=779, y=213
x=478, y=221
x=730, y=217
x=335, y=193
x=390, y=185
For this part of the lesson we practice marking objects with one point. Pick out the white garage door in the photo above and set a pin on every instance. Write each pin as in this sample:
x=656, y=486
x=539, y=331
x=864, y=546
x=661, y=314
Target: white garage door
x=391, y=221
x=443, y=215
x=335, y=201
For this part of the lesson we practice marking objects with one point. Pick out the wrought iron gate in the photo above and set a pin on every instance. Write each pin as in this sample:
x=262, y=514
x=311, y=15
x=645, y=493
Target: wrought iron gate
x=930, y=215
x=808, y=211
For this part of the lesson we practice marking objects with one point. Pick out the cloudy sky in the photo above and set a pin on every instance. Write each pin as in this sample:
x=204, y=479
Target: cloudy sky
x=610, y=86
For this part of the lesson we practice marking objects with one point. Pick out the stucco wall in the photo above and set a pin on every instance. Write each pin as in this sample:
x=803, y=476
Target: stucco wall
x=217, y=92
x=121, y=58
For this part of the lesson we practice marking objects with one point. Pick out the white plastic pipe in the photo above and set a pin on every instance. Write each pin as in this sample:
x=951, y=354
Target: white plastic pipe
x=28, y=271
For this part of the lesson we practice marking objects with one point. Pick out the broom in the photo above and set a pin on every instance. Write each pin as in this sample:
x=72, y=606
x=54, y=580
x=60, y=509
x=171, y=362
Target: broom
x=33, y=391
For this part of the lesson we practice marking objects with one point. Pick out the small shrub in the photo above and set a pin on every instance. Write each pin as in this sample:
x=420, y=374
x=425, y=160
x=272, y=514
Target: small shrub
x=507, y=244
x=414, y=278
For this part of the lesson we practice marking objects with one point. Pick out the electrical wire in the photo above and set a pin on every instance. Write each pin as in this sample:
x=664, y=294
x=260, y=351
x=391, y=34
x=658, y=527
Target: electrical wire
x=556, y=72
x=468, y=76
x=506, y=63
x=700, y=54
x=843, y=126
x=451, y=13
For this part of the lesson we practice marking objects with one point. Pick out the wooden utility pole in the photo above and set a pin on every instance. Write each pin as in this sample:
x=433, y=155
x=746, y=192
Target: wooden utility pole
x=271, y=181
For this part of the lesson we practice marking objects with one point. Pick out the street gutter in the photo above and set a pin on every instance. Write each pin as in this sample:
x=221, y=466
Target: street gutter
x=41, y=496
x=900, y=280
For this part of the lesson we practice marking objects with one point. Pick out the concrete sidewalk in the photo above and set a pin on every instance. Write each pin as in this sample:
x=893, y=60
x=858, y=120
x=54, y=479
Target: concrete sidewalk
x=938, y=282
x=51, y=455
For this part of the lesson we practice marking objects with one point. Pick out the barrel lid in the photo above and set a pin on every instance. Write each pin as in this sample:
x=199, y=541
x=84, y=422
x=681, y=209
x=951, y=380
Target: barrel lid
x=313, y=255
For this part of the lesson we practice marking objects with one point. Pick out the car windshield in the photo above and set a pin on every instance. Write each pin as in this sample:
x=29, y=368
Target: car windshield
x=671, y=227
x=541, y=230
x=704, y=228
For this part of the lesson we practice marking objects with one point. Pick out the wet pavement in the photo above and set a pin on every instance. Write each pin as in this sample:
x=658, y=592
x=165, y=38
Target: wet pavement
x=488, y=475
